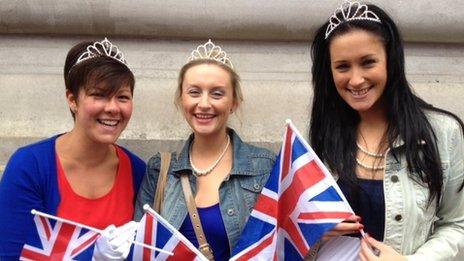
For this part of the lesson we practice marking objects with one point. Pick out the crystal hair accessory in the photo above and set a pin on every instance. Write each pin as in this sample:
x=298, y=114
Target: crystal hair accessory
x=103, y=48
x=349, y=11
x=210, y=51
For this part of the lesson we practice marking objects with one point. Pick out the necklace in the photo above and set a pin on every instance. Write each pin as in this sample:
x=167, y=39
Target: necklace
x=198, y=172
x=375, y=155
x=372, y=168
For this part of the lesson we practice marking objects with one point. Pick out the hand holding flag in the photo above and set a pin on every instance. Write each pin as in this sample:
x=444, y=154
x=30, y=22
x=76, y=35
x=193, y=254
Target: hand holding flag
x=61, y=239
x=299, y=203
x=115, y=242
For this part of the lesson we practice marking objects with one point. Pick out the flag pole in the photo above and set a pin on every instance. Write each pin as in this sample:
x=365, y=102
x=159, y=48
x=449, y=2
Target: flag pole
x=96, y=230
x=36, y=212
x=148, y=209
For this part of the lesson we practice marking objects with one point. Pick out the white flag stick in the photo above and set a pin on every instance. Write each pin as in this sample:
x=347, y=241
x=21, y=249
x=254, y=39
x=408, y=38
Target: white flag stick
x=96, y=230
x=36, y=212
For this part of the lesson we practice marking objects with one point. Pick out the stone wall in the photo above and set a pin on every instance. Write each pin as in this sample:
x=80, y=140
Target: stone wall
x=268, y=41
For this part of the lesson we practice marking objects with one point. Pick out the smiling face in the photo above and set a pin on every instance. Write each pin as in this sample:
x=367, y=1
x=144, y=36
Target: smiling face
x=359, y=69
x=207, y=99
x=98, y=117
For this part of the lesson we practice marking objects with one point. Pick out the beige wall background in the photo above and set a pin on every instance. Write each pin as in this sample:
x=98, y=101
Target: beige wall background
x=269, y=42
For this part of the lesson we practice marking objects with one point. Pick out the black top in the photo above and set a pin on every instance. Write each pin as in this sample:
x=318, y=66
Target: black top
x=370, y=206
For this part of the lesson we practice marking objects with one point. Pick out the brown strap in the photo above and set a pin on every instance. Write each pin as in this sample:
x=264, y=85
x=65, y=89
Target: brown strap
x=312, y=254
x=204, y=248
x=162, y=179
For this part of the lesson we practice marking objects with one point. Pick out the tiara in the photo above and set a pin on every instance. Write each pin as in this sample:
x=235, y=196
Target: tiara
x=103, y=48
x=210, y=51
x=349, y=11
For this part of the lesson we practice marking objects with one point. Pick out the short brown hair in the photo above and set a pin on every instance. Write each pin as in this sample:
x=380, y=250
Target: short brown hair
x=102, y=71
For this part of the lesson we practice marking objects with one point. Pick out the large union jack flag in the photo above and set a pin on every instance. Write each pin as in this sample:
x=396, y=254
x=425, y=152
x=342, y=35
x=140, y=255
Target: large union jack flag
x=59, y=241
x=155, y=231
x=298, y=204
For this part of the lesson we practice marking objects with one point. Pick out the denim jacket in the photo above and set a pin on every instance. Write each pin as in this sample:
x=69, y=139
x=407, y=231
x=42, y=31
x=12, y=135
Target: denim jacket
x=412, y=227
x=237, y=194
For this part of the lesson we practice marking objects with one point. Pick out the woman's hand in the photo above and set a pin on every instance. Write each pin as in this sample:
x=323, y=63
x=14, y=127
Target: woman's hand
x=115, y=242
x=385, y=252
x=349, y=226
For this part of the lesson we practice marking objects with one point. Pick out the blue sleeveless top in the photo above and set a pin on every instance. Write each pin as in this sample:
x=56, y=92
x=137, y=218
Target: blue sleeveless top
x=213, y=227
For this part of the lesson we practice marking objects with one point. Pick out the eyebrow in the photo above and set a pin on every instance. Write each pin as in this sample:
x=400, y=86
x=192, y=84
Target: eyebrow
x=218, y=88
x=362, y=58
x=191, y=86
x=368, y=56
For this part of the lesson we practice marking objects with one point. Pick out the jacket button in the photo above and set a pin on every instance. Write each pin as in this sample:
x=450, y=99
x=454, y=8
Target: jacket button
x=394, y=178
x=398, y=218
x=230, y=212
x=256, y=186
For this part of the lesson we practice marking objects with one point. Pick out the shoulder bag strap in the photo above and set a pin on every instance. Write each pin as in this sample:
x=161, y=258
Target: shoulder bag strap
x=204, y=248
x=162, y=179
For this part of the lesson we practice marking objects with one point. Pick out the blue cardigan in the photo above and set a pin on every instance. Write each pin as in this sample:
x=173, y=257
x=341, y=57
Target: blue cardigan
x=30, y=182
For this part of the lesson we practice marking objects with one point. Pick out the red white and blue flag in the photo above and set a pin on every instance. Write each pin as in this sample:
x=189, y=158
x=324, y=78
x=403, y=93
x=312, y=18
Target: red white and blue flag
x=56, y=240
x=157, y=232
x=299, y=203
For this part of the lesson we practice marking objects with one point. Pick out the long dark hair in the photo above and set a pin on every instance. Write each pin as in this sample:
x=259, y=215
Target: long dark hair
x=333, y=130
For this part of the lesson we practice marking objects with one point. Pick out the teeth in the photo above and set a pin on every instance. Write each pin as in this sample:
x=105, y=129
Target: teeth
x=109, y=122
x=203, y=116
x=359, y=92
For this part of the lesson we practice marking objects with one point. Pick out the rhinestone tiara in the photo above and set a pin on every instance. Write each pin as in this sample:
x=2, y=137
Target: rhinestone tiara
x=103, y=48
x=210, y=51
x=349, y=11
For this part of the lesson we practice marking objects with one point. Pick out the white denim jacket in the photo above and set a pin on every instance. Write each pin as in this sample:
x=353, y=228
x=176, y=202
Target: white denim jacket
x=412, y=228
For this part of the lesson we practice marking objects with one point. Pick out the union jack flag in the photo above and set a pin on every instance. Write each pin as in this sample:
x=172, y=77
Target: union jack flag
x=59, y=241
x=156, y=231
x=299, y=203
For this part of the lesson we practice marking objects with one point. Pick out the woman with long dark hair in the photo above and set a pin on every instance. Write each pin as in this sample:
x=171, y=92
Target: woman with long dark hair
x=398, y=159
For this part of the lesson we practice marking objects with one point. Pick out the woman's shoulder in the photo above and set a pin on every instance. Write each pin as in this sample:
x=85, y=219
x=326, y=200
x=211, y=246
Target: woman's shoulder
x=137, y=164
x=34, y=151
x=257, y=151
x=155, y=161
x=449, y=134
x=39, y=146
x=443, y=123
x=242, y=148
x=135, y=159
x=31, y=163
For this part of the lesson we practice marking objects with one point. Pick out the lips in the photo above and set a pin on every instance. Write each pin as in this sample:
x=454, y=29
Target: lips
x=107, y=122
